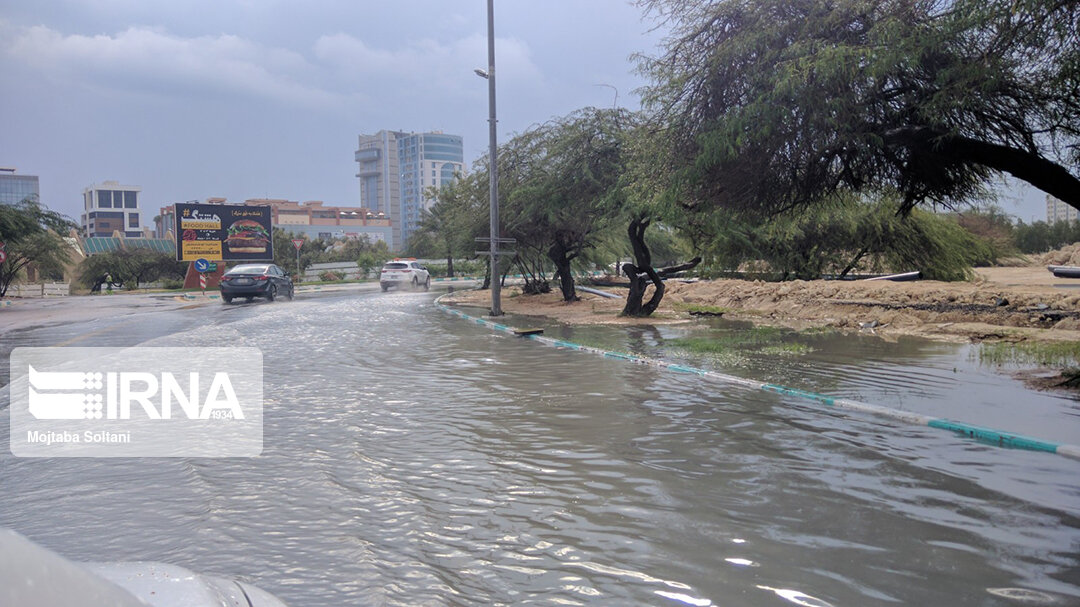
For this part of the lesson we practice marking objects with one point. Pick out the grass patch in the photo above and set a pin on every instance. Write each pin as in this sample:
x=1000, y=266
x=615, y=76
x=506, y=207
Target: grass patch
x=787, y=350
x=764, y=339
x=755, y=336
x=1060, y=354
x=700, y=309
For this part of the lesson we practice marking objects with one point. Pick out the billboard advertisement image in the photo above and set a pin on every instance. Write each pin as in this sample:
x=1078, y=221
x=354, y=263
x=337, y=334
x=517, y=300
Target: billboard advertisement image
x=221, y=232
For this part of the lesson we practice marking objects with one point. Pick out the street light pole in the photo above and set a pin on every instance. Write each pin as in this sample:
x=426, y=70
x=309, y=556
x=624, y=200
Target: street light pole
x=493, y=168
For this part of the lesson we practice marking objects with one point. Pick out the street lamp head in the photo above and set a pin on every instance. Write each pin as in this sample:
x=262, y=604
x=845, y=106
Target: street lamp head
x=482, y=73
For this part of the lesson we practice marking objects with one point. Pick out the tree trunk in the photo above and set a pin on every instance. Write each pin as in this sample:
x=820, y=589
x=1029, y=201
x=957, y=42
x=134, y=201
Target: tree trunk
x=639, y=272
x=855, y=261
x=449, y=264
x=487, y=275
x=643, y=273
x=558, y=255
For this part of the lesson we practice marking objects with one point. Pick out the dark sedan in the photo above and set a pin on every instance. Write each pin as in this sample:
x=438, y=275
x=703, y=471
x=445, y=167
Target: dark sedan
x=253, y=280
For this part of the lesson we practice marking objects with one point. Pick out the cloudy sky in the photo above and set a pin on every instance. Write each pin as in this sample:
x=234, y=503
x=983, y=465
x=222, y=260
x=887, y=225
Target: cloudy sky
x=265, y=98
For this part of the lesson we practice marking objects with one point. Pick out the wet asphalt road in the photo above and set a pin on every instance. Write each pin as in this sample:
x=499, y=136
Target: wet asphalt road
x=412, y=458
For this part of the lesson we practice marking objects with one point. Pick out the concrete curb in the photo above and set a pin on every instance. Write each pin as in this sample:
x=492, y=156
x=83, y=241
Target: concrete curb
x=984, y=435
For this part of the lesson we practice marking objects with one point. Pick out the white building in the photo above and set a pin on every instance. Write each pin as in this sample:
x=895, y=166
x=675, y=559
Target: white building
x=109, y=207
x=396, y=170
x=1056, y=210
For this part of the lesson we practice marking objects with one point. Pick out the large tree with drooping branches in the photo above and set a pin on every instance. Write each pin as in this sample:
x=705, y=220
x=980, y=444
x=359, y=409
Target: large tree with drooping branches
x=771, y=105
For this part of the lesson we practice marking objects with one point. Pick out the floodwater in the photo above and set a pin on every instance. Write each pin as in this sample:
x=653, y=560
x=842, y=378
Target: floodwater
x=412, y=458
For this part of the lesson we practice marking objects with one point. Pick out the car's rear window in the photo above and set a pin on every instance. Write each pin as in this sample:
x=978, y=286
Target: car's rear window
x=248, y=269
x=396, y=266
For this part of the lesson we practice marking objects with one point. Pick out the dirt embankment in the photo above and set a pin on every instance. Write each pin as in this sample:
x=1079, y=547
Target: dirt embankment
x=1017, y=303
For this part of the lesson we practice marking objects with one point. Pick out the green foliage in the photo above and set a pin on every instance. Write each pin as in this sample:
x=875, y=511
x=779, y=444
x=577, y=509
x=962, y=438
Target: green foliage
x=371, y=259
x=702, y=309
x=1040, y=236
x=994, y=229
x=462, y=267
x=560, y=186
x=846, y=235
x=366, y=254
x=31, y=235
x=1061, y=354
x=777, y=104
x=128, y=268
x=450, y=227
x=773, y=341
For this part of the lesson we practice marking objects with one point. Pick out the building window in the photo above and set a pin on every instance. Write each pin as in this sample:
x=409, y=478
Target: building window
x=130, y=200
x=133, y=221
x=104, y=199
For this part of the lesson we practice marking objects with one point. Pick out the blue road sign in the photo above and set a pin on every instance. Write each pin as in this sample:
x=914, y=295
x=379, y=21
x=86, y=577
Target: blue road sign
x=202, y=265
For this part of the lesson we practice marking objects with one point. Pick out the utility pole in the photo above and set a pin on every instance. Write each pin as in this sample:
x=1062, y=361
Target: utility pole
x=493, y=170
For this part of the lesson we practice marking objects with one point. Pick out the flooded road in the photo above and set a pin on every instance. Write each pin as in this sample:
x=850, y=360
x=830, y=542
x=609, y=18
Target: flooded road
x=414, y=459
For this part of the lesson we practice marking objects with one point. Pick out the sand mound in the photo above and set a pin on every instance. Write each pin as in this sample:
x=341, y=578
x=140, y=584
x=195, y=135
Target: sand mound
x=1015, y=303
x=1069, y=255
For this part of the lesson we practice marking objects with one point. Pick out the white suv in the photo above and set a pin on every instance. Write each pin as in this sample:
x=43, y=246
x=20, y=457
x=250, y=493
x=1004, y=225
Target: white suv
x=401, y=272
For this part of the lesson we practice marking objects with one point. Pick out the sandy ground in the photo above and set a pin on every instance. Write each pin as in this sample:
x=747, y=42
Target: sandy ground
x=1010, y=304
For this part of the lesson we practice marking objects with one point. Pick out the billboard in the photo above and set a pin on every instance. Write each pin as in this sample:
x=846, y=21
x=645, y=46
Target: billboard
x=223, y=232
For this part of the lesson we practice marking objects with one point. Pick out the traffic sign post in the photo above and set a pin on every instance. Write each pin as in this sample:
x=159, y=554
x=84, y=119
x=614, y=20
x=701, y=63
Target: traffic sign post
x=297, y=243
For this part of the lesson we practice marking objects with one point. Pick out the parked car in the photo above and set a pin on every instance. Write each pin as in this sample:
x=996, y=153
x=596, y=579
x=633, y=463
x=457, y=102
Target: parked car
x=408, y=271
x=251, y=280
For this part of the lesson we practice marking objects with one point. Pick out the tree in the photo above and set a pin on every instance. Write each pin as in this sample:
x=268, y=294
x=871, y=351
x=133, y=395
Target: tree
x=647, y=193
x=446, y=228
x=560, y=182
x=1040, y=236
x=129, y=267
x=30, y=233
x=848, y=234
x=778, y=104
x=373, y=258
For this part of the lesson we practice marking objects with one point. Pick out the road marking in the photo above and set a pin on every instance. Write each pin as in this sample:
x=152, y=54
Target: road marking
x=86, y=335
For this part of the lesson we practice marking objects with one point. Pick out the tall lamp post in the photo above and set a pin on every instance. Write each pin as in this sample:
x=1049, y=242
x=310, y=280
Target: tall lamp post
x=493, y=168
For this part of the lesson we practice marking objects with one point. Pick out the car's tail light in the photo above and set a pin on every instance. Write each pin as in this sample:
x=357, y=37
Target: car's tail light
x=263, y=277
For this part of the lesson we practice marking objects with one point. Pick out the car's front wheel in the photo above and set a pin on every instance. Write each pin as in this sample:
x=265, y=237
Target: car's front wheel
x=427, y=283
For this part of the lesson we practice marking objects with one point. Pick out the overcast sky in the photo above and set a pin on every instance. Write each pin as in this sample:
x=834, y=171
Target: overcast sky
x=265, y=98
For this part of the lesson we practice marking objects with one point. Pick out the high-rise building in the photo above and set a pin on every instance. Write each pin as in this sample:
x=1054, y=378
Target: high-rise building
x=1058, y=210
x=396, y=170
x=109, y=207
x=14, y=188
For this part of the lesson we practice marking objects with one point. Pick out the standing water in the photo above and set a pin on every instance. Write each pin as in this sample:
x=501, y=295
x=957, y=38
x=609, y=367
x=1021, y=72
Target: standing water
x=415, y=459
